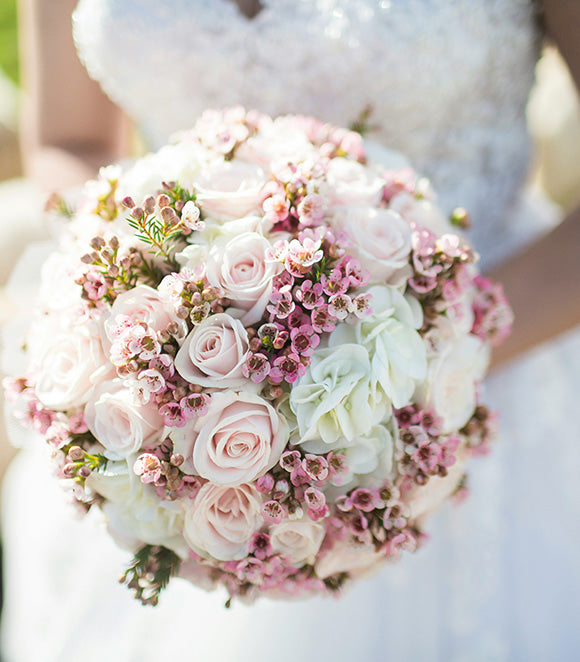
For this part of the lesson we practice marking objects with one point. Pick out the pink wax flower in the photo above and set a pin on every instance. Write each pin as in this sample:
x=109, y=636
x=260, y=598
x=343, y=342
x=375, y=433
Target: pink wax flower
x=304, y=340
x=257, y=367
x=148, y=467
x=310, y=294
x=287, y=368
x=322, y=319
x=272, y=512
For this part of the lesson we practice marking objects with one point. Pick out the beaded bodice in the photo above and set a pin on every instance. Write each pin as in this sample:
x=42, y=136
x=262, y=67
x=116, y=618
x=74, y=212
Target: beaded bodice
x=447, y=80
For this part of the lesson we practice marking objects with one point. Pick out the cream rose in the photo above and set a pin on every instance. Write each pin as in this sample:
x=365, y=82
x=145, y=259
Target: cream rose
x=453, y=378
x=299, y=540
x=356, y=559
x=68, y=365
x=135, y=513
x=426, y=499
x=238, y=440
x=220, y=521
x=352, y=183
x=379, y=238
x=238, y=266
x=333, y=399
x=398, y=353
x=227, y=190
x=214, y=353
x=143, y=304
x=119, y=424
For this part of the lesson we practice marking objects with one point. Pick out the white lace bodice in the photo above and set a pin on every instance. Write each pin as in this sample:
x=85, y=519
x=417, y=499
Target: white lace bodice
x=447, y=80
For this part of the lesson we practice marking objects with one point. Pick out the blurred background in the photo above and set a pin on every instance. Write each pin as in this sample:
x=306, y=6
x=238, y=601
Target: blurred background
x=553, y=117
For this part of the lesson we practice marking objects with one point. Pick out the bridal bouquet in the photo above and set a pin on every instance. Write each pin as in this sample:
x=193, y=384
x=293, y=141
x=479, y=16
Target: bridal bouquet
x=259, y=352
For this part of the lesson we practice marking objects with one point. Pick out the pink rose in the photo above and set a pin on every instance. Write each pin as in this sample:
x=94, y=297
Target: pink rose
x=238, y=440
x=228, y=190
x=119, y=424
x=221, y=520
x=238, y=266
x=142, y=304
x=380, y=239
x=214, y=353
x=352, y=183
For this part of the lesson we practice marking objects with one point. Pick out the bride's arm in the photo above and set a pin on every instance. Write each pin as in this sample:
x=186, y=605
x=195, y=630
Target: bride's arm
x=543, y=282
x=69, y=128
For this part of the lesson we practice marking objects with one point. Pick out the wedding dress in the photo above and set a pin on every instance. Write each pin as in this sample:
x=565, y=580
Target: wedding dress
x=447, y=81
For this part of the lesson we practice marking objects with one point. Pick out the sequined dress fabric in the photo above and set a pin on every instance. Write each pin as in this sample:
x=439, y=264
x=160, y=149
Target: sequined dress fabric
x=447, y=81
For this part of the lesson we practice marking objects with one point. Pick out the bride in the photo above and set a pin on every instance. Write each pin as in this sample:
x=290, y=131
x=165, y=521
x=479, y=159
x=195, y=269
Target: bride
x=447, y=81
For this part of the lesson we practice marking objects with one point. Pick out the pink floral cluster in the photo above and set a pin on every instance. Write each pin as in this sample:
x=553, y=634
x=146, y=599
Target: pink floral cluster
x=333, y=141
x=159, y=466
x=436, y=261
x=422, y=451
x=265, y=571
x=138, y=351
x=315, y=292
x=480, y=430
x=493, y=317
x=294, y=486
x=224, y=130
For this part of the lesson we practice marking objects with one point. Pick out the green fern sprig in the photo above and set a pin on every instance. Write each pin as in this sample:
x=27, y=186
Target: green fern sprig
x=149, y=573
x=153, y=232
x=165, y=232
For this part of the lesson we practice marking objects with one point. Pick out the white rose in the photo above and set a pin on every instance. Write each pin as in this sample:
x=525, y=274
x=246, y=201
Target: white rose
x=368, y=454
x=352, y=183
x=58, y=289
x=181, y=163
x=68, y=365
x=420, y=211
x=214, y=353
x=277, y=140
x=398, y=353
x=227, y=190
x=379, y=238
x=238, y=266
x=144, y=304
x=358, y=560
x=299, y=540
x=238, y=440
x=194, y=256
x=333, y=400
x=119, y=424
x=453, y=379
x=220, y=521
x=135, y=513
